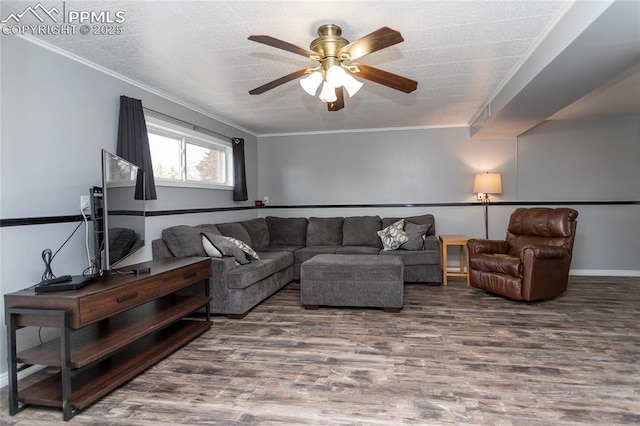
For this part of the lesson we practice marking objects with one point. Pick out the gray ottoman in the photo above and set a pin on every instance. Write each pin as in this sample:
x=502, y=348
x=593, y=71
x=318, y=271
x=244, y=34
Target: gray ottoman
x=352, y=280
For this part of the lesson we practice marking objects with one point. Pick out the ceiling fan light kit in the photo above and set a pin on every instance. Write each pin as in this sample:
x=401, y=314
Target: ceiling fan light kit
x=332, y=50
x=311, y=82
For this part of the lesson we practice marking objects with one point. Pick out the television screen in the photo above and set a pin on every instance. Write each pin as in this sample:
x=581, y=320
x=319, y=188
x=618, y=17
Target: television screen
x=123, y=209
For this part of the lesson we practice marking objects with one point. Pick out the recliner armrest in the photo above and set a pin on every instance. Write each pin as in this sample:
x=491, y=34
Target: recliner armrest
x=546, y=252
x=477, y=246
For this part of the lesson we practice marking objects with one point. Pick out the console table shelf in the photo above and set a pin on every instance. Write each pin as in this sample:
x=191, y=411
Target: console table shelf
x=110, y=331
x=98, y=380
x=91, y=343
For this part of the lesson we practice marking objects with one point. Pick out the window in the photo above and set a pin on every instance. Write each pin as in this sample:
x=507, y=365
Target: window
x=183, y=157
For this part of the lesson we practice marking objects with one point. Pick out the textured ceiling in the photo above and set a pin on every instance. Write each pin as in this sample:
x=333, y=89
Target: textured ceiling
x=460, y=52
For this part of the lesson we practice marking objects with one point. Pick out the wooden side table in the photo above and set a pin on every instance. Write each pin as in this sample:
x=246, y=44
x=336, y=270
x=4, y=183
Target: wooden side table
x=454, y=240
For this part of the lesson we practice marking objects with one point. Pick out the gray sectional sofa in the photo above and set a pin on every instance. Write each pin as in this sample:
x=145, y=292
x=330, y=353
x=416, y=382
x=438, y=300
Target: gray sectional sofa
x=283, y=244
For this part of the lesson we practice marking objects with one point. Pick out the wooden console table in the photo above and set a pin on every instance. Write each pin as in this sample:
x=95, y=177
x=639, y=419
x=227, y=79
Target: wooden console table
x=110, y=331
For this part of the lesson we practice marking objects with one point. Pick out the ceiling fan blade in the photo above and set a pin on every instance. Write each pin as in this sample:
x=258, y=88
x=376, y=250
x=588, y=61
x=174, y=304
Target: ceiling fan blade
x=379, y=39
x=278, y=82
x=385, y=78
x=280, y=44
x=339, y=103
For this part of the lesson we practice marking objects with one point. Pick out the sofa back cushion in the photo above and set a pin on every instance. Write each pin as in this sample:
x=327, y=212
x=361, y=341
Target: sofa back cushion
x=288, y=231
x=258, y=231
x=209, y=227
x=324, y=231
x=184, y=240
x=362, y=231
x=235, y=230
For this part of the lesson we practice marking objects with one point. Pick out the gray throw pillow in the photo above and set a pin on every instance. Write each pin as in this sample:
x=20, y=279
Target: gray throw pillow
x=211, y=250
x=415, y=234
x=226, y=247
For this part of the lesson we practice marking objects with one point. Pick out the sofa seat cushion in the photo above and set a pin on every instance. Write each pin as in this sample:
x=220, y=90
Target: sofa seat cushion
x=498, y=263
x=282, y=259
x=324, y=231
x=358, y=250
x=270, y=262
x=280, y=247
x=415, y=257
x=307, y=253
x=362, y=231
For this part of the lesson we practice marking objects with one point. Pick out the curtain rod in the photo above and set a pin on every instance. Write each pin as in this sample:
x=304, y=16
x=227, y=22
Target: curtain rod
x=193, y=126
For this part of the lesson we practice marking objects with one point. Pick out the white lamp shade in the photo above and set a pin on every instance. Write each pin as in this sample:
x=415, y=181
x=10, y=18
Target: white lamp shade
x=311, y=82
x=336, y=75
x=351, y=84
x=328, y=93
x=487, y=183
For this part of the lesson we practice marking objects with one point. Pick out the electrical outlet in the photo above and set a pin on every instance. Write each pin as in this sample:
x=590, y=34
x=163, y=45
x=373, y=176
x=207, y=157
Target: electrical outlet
x=265, y=199
x=84, y=202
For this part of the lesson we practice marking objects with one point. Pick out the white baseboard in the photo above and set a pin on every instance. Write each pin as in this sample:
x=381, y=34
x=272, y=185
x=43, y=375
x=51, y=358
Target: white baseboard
x=4, y=377
x=586, y=272
x=604, y=272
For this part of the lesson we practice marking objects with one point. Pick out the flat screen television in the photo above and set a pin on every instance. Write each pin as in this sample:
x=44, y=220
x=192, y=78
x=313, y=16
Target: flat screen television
x=118, y=212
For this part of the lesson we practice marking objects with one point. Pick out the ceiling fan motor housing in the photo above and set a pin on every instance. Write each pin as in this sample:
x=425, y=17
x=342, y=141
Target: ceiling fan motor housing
x=329, y=42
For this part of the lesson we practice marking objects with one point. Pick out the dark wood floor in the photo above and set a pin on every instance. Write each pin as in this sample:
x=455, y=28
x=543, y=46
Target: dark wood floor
x=453, y=355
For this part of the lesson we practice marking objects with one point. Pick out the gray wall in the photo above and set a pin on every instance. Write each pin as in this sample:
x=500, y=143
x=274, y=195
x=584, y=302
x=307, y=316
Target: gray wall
x=566, y=161
x=56, y=116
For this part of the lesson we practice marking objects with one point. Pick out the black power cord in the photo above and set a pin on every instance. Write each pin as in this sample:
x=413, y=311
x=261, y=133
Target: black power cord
x=47, y=257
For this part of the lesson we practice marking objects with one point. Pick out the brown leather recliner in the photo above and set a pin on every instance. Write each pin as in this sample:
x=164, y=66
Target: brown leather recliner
x=532, y=263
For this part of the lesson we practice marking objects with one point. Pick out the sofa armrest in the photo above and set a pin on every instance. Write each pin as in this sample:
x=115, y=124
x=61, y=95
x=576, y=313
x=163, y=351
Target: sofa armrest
x=477, y=246
x=431, y=242
x=220, y=267
x=160, y=250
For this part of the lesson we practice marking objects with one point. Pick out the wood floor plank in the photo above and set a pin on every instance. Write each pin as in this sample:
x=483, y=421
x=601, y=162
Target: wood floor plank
x=452, y=355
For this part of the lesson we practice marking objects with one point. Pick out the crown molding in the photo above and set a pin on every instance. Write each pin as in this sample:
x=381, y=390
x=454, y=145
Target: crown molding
x=381, y=129
x=147, y=88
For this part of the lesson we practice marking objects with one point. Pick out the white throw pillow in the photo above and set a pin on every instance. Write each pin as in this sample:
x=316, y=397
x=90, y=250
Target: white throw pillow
x=393, y=236
x=211, y=250
x=244, y=247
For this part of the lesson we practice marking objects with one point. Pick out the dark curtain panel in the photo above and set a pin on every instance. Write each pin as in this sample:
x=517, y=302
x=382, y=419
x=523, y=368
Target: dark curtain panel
x=133, y=142
x=239, y=175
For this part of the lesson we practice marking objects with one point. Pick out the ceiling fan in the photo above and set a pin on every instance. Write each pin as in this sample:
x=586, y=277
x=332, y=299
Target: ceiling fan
x=332, y=51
